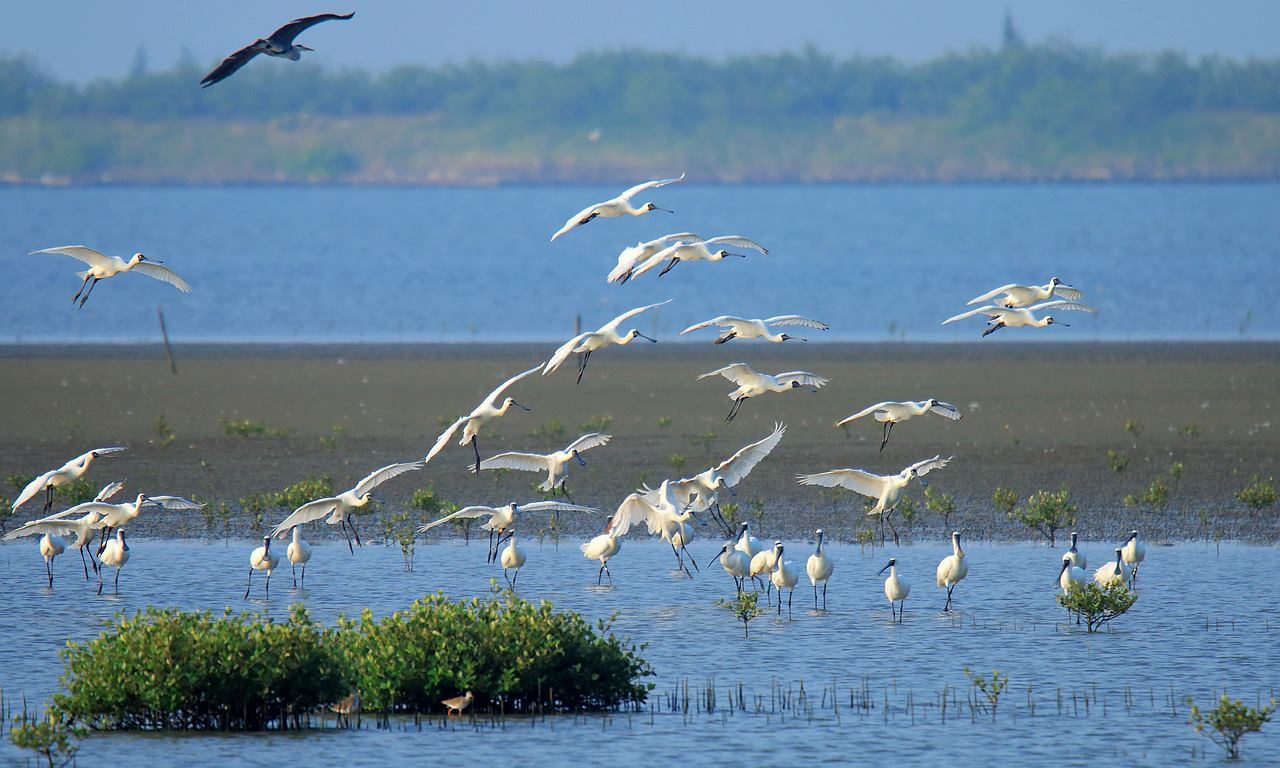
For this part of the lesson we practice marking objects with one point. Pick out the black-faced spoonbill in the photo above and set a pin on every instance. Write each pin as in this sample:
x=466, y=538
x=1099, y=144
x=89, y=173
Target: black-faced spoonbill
x=952, y=569
x=618, y=206
x=746, y=542
x=1133, y=552
x=762, y=564
x=65, y=524
x=1112, y=572
x=745, y=328
x=299, y=553
x=1071, y=577
x=279, y=44
x=819, y=569
x=736, y=563
x=486, y=411
x=72, y=470
x=114, y=516
x=698, y=250
x=555, y=464
x=102, y=267
x=752, y=384
x=590, y=341
x=784, y=576
x=338, y=508
x=1002, y=317
x=896, y=589
x=885, y=489
x=1015, y=295
x=115, y=554
x=262, y=559
x=1076, y=557
x=891, y=412
x=663, y=515
x=513, y=559
x=633, y=255
x=51, y=545
x=502, y=518
x=601, y=548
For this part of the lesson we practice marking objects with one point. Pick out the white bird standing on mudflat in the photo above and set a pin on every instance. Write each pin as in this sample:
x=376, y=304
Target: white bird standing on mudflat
x=102, y=267
x=736, y=563
x=555, y=464
x=1070, y=576
x=752, y=384
x=819, y=569
x=762, y=563
x=633, y=255
x=698, y=250
x=746, y=542
x=72, y=470
x=896, y=589
x=513, y=558
x=952, y=569
x=262, y=559
x=744, y=328
x=51, y=545
x=63, y=524
x=618, y=206
x=885, y=489
x=1133, y=552
x=589, y=341
x=1113, y=571
x=891, y=412
x=1074, y=554
x=486, y=411
x=1002, y=317
x=346, y=504
x=114, y=554
x=299, y=553
x=784, y=576
x=601, y=548
x=278, y=44
x=1015, y=295
x=502, y=518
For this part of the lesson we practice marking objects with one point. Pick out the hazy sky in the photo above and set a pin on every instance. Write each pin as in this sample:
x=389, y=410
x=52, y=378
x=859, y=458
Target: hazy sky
x=84, y=39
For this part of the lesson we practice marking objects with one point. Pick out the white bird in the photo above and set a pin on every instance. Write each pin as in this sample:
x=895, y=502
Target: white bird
x=698, y=250
x=1003, y=317
x=346, y=504
x=502, y=518
x=64, y=524
x=752, y=384
x=486, y=411
x=819, y=569
x=952, y=569
x=262, y=559
x=618, y=206
x=72, y=470
x=299, y=553
x=1070, y=576
x=513, y=558
x=555, y=464
x=601, y=548
x=736, y=563
x=891, y=412
x=1016, y=295
x=896, y=589
x=102, y=267
x=663, y=516
x=742, y=328
x=633, y=255
x=885, y=489
x=1076, y=556
x=784, y=576
x=1112, y=572
x=115, y=554
x=747, y=543
x=589, y=341
x=278, y=44
x=1133, y=552
x=51, y=545
x=115, y=516
x=762, y=563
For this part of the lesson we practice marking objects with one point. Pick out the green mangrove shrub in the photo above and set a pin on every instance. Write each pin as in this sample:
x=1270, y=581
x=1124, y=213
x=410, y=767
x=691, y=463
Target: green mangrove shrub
x=745, y=607
x=1258, y=494
x=54, y=739
x=1046, y=512
x=1229, y=722
x=1098, y=605
x=291, y=497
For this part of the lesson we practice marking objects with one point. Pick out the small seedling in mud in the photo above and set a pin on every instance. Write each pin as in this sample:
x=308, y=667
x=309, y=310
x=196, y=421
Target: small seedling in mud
x=425, y=500
x=75, y=430
x=907, y=509
x=744, y=607
x=940, y=503
x=401, y=528
x=551, y=429
x=664, y=422
x=207, y=466
x=1229, y=722
x=1012, y=437
x=248, y=428
x=224, y=513
x=1047, y=512
x=836, y=495
x=1117, y=461
x=333, y=440
x=864, y=536
x=1189, y=431
x=704, y=441
x=1258, y=494
x=990, y=688
x=1156, y=495
x=1133, y=427
x=599, y=422
x=1098, y=605
x=755, y=508
x=677, y=461
x=53, y=739
x=1005, y=500
x=164, y=433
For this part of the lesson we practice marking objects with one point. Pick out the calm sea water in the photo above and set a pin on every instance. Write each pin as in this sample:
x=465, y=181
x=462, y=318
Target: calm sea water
x=1167, y=262
x=1206, y=619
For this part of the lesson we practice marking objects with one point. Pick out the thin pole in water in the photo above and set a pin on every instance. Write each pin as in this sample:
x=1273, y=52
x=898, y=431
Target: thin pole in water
x=164, y=333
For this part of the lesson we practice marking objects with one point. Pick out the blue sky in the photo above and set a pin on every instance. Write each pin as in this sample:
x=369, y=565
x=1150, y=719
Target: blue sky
x=84, y=39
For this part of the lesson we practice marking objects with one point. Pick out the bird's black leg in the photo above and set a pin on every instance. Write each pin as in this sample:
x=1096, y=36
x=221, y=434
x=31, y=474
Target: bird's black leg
x=294, y=567
x=789, y=596
x=671, y=265
x=104, y=537
x=824, y=595
x=993, y=329
x=949, y=590
x=48, y=570
x=734, y=410
x=600, y=574
x=82, y=285
x=86, y=295
x=268, y=591
x=347, y=536
x=476, y=448
x=815, y=596
x=48, y=498
x=695, y=562
x=888, y=429
x=354, y=532
x=726, y=337
x=565, y=490
x=118, y=570
x=85, y=564
x=304, y=575
x=488, y=555
x=248, y=584
x=582, y=368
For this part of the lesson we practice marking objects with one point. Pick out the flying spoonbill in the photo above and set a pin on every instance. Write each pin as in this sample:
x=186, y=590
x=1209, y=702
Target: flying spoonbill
x=299, y=553
x=632, y=256
x=513, y=558
x=555, y=464
x=262, y=559
x=698, y=250
x=102, y=267
x=664, y=516
x=618, y=206
x=736, y=563
x=113, y=516
x=587, y=342
x=885, y=489
x=742, y=328
x=896, y=589
x=72, y=470
x=752, y=384
x=952, y=569
x=115, y=554
x=486, y=411
x=819, y=569
x=1133, y=552
x=278, y=44
x=502, y=518
x=601, y=548
x=784, y=576
x=1015, y=295
x=891, y=412
x=63, y=524
x=1002, y=317
x=346, y=504
x=1075, y=555
x=1112, y=572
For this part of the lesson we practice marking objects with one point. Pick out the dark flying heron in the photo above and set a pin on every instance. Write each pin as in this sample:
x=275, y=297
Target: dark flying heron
x=279, y=43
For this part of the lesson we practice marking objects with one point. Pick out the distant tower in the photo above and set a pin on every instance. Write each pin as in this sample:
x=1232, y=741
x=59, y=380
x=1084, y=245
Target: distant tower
x=1012, y=38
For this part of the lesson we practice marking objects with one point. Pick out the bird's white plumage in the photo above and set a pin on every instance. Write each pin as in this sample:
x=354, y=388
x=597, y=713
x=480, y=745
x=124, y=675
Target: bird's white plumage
x=590, y=341
x=72, y=470
x=555, y=464
x=618, y=206
x=1017, y=295
x=337, y=508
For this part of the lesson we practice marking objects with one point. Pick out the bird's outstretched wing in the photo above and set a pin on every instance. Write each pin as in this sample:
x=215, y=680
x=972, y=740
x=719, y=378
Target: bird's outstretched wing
x=173, y=503
x=163, y=274
x=1068, y=291
x=870, y=409
x=990, y=310
x=312, y=510
x=42, y=526
x=109, y=490
x=34, y=487
x=380, y=476
x=637, y=189
x=444, y=438
x=989, y=295
x=1061, y=304
x=562, y=353
x=555, y=506
x=522, y=462
x=577, y=220
x=588, y=441
x=738, y=373
x=722, y=320
x=737, y=241
x=803, y=378
x=464, y=513
x=492, y=399
x=735, y=468
x=613, y=324
x=797, y=320
x=856, y=480
x=285, y=35
x=231, y=65
x=657, y=258
x=928, y=465
x=633, y=509
x=79, y=253
x=948, y=410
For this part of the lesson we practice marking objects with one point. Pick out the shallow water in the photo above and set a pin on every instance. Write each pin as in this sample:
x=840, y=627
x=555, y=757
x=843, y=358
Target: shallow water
x=456, y=264
x=1206, y=619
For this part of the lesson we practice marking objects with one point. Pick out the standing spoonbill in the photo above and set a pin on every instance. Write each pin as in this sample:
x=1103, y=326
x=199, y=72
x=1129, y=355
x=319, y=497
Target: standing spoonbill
x=1003, y=317
x=1076, y=557
x=299, y=553
x=1133, y=552
x=346, y=504
x=555, y=464
x=72, y=470
x=1015, y=295
x=618, y=206
x=632, y=256
x=747, y=543
x=63, y=524
x=752, y=384
x=762, y=563
x=891, y=412
x=1112, y=572
x=502, y=518
x=742, y=328
x=819, y=569
x=278, y=44
x=115, y=554
x=513, y=558
x=102, y=267
x=51, y=545
x=601, y=548
x=952, y=569
x=885, y=489
x=1070, y=576
x=896, y=589
x=589, y=341
x=262, y=559
x=735, y=563
x=699, y=250
x=784, y=576
x=486, y=411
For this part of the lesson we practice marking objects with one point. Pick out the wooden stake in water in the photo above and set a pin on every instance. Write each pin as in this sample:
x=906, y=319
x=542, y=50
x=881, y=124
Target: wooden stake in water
x=164, y=333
